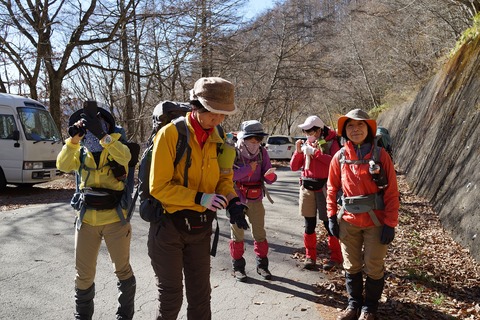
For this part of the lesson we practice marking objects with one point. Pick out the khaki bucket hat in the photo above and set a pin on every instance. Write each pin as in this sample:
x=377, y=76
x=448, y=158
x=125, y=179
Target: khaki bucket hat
x=215, y=94
x=357, y=114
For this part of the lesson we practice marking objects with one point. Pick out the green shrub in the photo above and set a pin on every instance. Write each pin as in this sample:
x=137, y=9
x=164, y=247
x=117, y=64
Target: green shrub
x=468, y=35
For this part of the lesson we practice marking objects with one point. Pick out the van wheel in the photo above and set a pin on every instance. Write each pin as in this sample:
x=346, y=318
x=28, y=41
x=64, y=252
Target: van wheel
x=3, y=181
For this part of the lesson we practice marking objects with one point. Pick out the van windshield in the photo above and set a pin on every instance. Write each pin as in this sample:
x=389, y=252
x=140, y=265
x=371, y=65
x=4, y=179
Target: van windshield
x=38, y=124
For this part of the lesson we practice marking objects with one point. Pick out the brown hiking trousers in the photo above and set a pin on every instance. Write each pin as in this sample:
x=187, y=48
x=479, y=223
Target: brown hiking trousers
x=175, y=253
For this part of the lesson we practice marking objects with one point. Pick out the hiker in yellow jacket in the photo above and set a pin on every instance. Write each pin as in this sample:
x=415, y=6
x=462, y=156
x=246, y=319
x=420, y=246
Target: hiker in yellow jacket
x=98, y=217
x=179, y=244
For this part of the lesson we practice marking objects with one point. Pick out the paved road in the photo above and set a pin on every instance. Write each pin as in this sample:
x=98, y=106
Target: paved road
x=37, y=267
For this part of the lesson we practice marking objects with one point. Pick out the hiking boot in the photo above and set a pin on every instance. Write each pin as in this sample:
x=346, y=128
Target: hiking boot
x=240, y=275
x=309, y=264
x=348, y=314
x=264, y=273
x=367, y=316
x=330, y=265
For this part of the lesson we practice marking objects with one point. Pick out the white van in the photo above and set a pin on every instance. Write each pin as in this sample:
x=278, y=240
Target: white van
x=29, y=142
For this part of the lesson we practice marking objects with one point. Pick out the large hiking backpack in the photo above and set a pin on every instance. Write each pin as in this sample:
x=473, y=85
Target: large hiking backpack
x=130, y=181
x=384, y=140
x=150, y=208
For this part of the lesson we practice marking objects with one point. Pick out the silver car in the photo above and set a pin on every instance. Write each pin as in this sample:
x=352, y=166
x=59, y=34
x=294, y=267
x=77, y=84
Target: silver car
x=280, y=147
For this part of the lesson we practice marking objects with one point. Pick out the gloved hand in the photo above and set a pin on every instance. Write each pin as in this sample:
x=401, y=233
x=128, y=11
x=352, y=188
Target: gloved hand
x=333, y=226
x=94, y=125
x=212, y=201
x=77, y=128
x=388, y=234
x=236, y=211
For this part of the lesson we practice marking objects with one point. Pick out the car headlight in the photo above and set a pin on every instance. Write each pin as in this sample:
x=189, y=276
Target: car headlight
x=31, y=165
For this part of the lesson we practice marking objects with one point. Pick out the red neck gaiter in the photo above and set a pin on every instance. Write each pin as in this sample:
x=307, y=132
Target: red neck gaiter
x=201, y=133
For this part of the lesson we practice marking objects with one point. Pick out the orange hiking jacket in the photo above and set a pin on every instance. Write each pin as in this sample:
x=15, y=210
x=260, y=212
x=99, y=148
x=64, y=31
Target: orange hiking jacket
x=355, y=180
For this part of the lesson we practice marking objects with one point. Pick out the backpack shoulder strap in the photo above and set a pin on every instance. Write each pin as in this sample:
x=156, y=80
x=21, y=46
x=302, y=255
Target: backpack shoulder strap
x=376, y=151
x=221, y=132
x=342, y=156
x=183, y=146
x=83, y=155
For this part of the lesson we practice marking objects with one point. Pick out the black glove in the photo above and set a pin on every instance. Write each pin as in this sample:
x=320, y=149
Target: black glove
x=388, y=234
x=333, y=226
x=236, y=210
x=92, y=119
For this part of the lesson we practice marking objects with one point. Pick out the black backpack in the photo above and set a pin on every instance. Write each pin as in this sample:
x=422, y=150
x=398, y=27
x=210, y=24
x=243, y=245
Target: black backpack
x=150, y=208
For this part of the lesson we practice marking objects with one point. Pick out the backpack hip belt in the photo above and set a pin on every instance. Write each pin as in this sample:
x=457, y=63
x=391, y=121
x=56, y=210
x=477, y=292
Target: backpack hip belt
x=313, y=184
x=361, y=204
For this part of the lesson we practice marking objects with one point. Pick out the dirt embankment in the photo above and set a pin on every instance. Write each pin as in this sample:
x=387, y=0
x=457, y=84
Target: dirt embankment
x=437, y=138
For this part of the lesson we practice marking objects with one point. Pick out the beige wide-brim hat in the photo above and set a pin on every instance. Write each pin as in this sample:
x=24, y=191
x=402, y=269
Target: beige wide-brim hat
x=215, y=94
x=357, y=114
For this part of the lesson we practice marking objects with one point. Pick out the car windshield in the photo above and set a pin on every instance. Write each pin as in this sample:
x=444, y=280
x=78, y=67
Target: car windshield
x=279, y=140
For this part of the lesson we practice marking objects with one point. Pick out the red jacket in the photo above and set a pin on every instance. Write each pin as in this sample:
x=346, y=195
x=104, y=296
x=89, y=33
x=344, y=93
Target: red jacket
x=320, y=162
x=355, y=180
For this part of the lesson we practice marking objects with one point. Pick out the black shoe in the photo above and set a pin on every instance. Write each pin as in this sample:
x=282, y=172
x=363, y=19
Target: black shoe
x=332, y=265
x=264, y=273
x=348, y=314
x=309, y=264
x=240, y=275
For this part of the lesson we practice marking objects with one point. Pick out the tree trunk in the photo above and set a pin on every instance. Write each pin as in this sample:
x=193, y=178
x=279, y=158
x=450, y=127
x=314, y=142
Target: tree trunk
x=55, y=87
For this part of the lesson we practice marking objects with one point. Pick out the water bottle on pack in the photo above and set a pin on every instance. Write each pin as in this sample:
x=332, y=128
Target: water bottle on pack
x=227, y=154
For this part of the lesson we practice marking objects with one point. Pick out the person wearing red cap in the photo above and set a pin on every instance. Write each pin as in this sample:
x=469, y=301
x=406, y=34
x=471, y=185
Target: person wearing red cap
x=365, y=223
x=313, y=158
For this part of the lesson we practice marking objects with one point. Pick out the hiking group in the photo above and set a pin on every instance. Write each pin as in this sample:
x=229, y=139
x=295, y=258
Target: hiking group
x=191, y=169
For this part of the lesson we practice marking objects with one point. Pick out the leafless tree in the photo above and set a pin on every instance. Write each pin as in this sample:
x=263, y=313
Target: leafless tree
x=59, y=37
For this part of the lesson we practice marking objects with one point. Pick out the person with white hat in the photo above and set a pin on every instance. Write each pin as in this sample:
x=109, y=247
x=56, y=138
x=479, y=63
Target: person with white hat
x=252, y=169
x=313, y=158
x=366, y=221
x=179, y=244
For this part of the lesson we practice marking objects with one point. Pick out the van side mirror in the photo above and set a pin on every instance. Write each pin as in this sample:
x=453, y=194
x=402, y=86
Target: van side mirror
x=16, y=135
